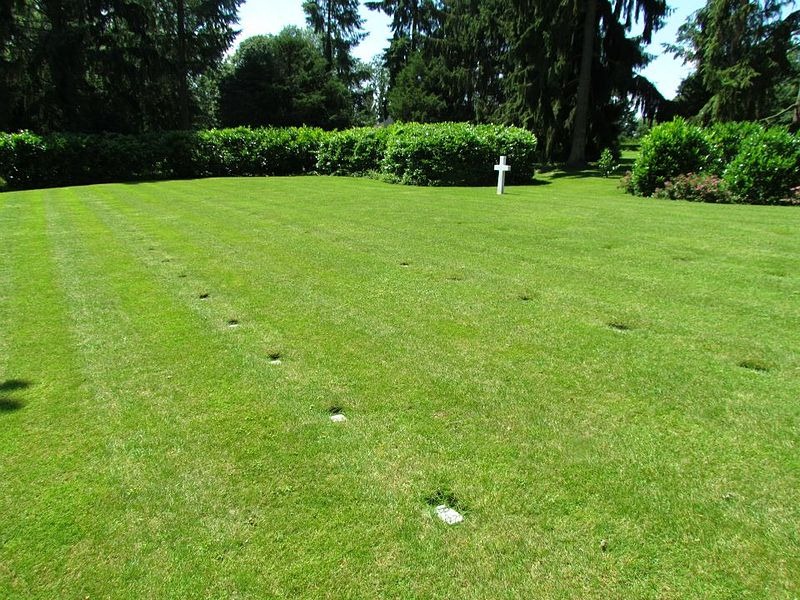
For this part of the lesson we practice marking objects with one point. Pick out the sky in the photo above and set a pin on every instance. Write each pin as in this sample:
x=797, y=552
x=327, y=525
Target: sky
x=258, y=17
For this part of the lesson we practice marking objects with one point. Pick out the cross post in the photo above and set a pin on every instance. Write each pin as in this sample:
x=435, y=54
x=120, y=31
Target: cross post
x=501, y=174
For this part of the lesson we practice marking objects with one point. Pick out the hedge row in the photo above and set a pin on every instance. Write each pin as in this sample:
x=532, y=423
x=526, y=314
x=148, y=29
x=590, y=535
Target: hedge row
x=440, y=154
x=740, y=162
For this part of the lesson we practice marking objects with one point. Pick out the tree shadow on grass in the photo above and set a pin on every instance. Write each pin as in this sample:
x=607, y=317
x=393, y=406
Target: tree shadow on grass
x=8, y=404
x=576, y=174
x=11, y=385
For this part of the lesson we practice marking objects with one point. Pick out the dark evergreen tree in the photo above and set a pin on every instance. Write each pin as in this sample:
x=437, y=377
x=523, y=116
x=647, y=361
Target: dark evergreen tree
x=602, y=25
x=282, y=80
x=742, y=52
x=108, y=65
x=413, y=21
x=339, y=25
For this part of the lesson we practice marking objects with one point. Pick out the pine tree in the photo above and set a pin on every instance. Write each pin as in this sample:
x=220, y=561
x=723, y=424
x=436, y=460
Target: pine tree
x=339, y=25
x=601, y=25
x=742, y=53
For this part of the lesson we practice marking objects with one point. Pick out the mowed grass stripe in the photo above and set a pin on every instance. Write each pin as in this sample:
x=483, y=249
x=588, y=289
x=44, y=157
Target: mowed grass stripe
x=633, y=313
x=628, y=275
x=50, y=430
x=365, y=319
x=724, y=367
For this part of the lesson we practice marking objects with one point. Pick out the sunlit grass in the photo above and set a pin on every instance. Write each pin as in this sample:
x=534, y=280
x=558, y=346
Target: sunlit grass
x=605, y=386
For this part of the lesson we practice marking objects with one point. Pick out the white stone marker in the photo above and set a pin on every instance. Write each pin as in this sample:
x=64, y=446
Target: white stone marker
x=501, y=174
x=338, y=418
x=447, y=514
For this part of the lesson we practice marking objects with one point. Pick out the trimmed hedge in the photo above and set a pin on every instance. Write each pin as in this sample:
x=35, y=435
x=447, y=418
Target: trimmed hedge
x=355, y=151
x=29, y=160
x=457, y=154
x=443, y=154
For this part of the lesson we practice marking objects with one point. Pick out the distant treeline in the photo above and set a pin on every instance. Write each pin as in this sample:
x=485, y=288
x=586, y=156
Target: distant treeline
x=565, y=69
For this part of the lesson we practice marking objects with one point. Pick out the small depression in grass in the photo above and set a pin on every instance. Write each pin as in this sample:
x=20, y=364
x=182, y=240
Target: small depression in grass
x=755, y=365
x=404, y=264
x=275, y=358
x=336, y=414
x=182, y=275
x=455, y=278
x=619, y=326
x=445, y=497
x=233, y=323
x=525, y=297
x=203, y=296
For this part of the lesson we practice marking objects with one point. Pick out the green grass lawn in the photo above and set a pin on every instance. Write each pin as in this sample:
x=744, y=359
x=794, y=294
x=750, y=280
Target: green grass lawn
x=564, y=365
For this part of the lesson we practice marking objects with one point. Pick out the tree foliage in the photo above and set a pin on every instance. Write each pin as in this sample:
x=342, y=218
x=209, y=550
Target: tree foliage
x=741, y=50
x=107, y=65
x=339, y=25
x=282, y=80
x=519, y=62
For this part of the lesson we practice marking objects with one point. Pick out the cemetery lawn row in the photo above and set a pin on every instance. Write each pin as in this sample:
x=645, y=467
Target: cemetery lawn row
x=606, y=387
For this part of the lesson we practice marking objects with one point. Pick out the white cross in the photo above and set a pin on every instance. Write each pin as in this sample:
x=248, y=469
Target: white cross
x=501, y=174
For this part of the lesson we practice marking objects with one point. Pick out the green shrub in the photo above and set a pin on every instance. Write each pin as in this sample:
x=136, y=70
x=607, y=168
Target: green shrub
x=606, y=165
x=671, y=149
x=244, y=151
x=704, y=187
x=21, y=159
x=353, y=151
x=457, y=154
x=766, y=169
x=727, y=138
x=3, y=185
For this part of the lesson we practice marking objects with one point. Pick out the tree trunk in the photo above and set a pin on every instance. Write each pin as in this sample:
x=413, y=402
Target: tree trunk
x=580, y=131
x=183, y=76
x=329, y=35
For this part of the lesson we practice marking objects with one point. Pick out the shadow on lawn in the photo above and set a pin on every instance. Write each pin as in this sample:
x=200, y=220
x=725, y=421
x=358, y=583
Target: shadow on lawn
x=8, y=404
x=575, y=174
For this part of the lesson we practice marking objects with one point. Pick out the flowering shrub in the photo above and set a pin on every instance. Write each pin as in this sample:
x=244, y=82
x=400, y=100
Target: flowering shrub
x=670, y=149
x=757, y=165
x=766, y=167
x=700, y=187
